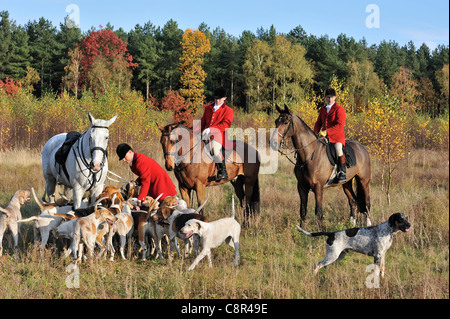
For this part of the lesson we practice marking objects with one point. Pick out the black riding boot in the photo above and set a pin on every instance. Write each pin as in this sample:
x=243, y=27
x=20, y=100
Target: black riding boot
x=341, y=176
x=221, y=171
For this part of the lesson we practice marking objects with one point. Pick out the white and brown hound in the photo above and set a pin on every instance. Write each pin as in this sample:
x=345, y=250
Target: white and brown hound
x=373, y=241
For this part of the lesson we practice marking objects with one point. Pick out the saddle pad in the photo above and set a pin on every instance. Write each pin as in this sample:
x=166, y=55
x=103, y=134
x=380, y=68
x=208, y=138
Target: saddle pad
x=62, y=153
x=350, y=159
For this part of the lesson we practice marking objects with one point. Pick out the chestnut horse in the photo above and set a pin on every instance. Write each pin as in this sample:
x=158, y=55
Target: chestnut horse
x=313, y=169
x=186, y=154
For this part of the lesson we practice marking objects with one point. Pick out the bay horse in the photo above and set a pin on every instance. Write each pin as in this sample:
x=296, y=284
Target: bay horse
x=313, y=168
x=86, y=164
x=186, y=154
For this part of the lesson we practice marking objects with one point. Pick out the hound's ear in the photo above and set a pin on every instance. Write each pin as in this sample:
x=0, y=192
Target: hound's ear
x=278, y=108
x=166, y=212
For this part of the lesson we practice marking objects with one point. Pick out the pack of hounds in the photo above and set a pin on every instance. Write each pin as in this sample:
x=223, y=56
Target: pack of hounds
x=118, y=213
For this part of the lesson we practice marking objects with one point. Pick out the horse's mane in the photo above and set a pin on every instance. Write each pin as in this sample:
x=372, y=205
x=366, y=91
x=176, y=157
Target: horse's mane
x=301, y=121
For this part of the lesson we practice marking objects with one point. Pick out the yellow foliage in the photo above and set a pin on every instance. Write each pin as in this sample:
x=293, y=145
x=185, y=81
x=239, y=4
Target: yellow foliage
x=195, y=45
x=386, y=131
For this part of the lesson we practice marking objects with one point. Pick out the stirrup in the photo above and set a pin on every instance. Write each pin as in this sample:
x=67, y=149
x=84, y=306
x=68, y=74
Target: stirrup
x=340, y=178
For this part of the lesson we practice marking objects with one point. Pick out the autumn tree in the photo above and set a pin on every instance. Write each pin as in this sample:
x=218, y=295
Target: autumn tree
x=30, y=79
x=105, y=61
x=442, y=77
x=405, y=89
x=258, y=60
x=363, y=83
x=178, y=106
x=291, y=74
x=71, y=80
x=195, y=45
x=386, y=129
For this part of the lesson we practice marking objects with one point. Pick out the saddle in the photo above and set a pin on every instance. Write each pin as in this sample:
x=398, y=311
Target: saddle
x=62, y=153
x=350, y=159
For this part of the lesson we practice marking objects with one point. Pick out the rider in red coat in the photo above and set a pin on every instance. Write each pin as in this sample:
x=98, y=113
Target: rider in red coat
x=216, y=119
x=331, y=122
x=152, y=178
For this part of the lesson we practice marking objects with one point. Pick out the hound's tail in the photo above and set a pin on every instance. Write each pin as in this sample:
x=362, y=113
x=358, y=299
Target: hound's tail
x=313, y=234
x=233, y=213
x=32, y=218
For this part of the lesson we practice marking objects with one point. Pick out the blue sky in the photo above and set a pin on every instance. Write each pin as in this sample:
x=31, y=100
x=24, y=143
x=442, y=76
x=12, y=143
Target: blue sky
x=399, y=20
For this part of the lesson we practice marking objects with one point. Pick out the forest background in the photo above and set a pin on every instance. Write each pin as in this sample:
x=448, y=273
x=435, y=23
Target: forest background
x=396, y=97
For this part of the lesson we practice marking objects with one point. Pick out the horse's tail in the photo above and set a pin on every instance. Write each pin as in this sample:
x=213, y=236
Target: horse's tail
x=255, y=199
x=361, y=196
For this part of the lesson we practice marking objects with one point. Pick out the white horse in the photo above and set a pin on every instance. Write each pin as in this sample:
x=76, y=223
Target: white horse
x=86, y=164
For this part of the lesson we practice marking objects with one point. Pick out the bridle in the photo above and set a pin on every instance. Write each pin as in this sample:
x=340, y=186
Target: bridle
x=296, y=150
x=291, y=124
x=82, y=157
x=179, y=159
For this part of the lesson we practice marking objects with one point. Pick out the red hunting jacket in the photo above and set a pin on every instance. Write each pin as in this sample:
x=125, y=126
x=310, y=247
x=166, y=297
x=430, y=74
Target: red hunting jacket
x=333, y=123
x=218, y=121
x=153, y=178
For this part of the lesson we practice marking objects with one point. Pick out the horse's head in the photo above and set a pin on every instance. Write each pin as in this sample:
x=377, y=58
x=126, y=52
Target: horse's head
x=284, y=127
x=98, y=141
x=171, y=136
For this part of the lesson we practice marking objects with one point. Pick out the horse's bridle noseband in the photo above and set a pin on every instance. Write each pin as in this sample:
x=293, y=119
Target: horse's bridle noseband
x=291, y=124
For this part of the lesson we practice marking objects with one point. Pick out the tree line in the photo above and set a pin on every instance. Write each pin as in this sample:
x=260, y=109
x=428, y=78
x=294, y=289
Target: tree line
x=257, y=69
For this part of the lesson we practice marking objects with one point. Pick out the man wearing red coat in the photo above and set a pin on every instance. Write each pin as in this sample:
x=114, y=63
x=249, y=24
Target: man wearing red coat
x=331, y=122
x=152, y=178
x=216, y=119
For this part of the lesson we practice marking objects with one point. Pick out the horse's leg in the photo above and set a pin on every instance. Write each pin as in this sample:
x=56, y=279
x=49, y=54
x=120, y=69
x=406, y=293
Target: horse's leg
x=303, y=192
x=363, y=197
x=50, y=186
x=200, y=189
x=78, y=196
x=318, y=194
x=351, y=196
x=185, y=195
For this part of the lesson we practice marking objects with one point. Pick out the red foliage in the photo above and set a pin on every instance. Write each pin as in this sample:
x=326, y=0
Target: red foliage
x=10, y=86
x=104, y=42
x=180, y=108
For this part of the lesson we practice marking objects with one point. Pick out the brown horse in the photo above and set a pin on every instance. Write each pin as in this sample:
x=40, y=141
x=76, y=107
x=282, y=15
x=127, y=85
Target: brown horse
x=186, y=154
x=313, y=169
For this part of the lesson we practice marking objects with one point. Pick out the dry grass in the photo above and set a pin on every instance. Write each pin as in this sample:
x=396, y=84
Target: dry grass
x=276, y=261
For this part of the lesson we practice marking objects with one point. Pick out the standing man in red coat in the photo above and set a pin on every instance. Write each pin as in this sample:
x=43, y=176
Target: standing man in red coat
x=152, y=178
x=331, y=122
x=216, y=119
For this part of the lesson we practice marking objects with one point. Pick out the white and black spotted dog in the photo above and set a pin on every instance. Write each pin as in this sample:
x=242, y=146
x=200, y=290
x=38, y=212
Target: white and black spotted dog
x=373, y=241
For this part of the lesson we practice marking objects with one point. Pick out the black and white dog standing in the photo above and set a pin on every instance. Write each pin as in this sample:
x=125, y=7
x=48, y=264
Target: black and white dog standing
x=373, y=241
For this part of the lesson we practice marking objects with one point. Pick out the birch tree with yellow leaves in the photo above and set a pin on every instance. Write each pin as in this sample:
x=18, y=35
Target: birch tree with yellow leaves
x=386, y=136
x=194, y=47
